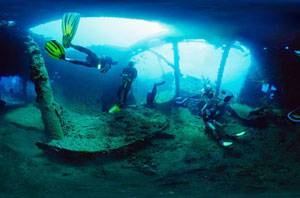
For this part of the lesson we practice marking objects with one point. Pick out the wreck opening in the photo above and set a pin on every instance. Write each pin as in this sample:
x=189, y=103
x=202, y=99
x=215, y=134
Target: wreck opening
x=149, y=44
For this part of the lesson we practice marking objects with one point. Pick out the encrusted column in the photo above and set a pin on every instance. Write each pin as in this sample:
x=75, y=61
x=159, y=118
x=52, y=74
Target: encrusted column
x=222, y=67
x=39, y=76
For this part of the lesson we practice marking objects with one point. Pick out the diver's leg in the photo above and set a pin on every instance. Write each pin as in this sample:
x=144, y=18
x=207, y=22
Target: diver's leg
x=82, y=49
x=154, y=90
x=214, y=131
x=93, y=57
x=120, y=92
x=216, y=135
x=218, y=123
x=77, y=62
x=126, y=91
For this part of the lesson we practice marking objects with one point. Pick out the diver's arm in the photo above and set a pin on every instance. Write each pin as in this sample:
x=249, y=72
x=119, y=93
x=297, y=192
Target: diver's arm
x=131, y=75
x=125, y=77
x=124, y=74
x=219, y=124
x=105, y=68
x=106, y=63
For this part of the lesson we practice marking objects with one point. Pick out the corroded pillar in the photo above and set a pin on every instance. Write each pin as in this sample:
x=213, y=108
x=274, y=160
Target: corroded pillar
x=222, y=67
x=39, y=76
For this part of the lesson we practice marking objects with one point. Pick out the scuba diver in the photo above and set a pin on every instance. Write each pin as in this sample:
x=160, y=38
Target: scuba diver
x=209, y=113
x=128, y=75
x=70, y=23
x=92, y=60
x=151, y=94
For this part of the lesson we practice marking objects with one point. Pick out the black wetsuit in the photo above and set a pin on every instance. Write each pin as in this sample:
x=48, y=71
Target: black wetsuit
x=128, y=74
x=151, y=95
x=92, y=58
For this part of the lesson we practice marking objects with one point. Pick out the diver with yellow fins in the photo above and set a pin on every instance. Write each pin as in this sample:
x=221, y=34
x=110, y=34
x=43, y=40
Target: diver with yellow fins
x=55, y=50
x=128, y=75
x=70, y=24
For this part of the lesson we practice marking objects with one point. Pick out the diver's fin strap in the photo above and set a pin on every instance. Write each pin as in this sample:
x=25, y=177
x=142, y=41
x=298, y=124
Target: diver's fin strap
x=225, y=144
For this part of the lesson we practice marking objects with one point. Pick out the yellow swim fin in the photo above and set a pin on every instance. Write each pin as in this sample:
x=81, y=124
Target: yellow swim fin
x=55, y=50
x=114, y=109
x=70, y=23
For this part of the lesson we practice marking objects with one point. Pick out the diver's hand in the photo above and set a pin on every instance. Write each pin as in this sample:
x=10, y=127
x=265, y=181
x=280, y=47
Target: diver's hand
x=105, y=68
x=126, y=78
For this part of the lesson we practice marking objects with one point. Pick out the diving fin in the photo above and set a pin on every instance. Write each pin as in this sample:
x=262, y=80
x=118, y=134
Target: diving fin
x=70, y=23
x=114, y=109
x=294, y=115
x=55, y=50
x=225, y=144
x=240, y=134
x=236, y=134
